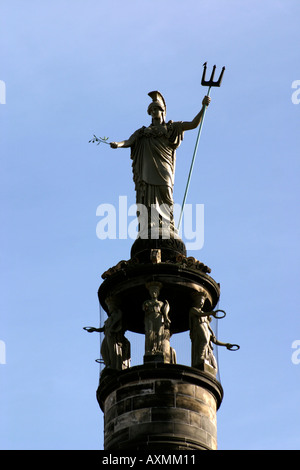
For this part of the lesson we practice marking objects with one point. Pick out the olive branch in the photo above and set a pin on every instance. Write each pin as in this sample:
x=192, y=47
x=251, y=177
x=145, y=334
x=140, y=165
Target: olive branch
x=99, y=140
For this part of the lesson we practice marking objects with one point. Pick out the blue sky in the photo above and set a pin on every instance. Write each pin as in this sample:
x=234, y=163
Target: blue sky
x=75, y=68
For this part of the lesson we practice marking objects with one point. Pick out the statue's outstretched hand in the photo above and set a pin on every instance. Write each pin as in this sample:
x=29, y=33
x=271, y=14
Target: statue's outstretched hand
x=114, y=145
x=206, y=100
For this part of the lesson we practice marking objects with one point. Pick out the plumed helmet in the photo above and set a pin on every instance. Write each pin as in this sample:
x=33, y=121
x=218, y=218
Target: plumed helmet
x=157, y=100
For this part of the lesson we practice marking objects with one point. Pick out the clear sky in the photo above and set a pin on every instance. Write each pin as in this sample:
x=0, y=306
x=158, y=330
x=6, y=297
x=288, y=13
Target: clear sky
x=72, y=68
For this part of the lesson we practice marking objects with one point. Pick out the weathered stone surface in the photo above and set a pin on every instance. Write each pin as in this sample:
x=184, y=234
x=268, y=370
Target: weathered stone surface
x=170, y=414
x=175, y=412
x=132, y=419
x=207, y=398
x=167, y=400
x=137, y=389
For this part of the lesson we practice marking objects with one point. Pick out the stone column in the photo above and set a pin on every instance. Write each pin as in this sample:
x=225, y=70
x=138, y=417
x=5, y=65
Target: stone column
x=159, y=406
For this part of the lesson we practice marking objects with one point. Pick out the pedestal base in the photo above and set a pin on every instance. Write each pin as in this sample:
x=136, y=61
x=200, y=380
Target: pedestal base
x=205, y=367
x=154, y=358
x=159, y=407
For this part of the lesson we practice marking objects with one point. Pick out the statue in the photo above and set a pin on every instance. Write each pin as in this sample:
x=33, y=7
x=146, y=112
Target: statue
x=153, y=154
x=157, y=325
x=115, y=348
x=202, y=336
x=169, y=353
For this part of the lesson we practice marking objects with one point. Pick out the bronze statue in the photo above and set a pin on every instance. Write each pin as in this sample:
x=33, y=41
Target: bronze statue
x=153, y=154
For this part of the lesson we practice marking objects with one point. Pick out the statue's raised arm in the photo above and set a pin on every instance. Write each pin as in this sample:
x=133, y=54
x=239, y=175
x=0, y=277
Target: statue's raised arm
x=197, y=119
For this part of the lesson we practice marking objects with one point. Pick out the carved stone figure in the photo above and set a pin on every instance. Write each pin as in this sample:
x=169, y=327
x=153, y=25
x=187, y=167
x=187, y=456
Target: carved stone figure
x=115, y=347
x=155, y=256
x=201, y=335
x=169, y=353
x=157, y=325
x=153, y=154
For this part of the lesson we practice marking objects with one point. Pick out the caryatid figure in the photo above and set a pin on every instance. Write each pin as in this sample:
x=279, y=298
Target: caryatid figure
x=115, y=347
x=157, y=324
x=153, y=154
x=201, y=335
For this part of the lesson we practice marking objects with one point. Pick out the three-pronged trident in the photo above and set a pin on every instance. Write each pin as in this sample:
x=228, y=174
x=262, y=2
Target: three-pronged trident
x=210, y=83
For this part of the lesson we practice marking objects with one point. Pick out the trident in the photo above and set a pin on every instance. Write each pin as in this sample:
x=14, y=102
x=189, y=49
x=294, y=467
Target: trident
x=210, y=83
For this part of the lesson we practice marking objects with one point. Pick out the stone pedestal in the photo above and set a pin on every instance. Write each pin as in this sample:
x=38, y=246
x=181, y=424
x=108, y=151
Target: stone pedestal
x=159, y=407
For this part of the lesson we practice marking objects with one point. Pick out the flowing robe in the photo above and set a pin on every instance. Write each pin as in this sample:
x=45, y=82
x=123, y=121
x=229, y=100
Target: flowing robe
x=201, y=334
x=115, y=348
x=153, y=153
x=154, y=326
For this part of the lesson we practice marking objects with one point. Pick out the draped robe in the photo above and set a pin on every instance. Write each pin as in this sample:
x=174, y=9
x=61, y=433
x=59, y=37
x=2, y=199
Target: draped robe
x=153, y=154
